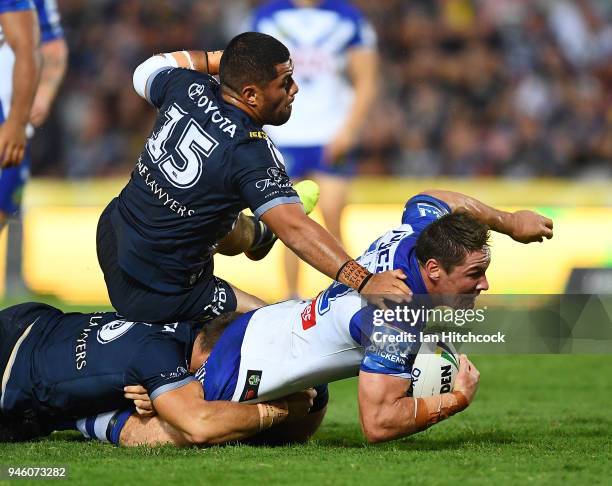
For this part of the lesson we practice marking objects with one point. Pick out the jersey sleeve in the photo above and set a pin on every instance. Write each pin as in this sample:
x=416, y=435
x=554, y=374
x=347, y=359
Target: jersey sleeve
x=15, y=5
x=164, y=83
x=422, y=210
x=260, y=178
x=365, y=35
x=389, y=348
x=160, y=367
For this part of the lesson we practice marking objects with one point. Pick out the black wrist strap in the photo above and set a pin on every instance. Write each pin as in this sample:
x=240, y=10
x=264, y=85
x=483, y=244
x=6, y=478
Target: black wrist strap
x=206, y=57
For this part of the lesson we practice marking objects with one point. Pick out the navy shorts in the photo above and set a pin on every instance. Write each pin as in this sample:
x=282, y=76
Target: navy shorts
x=208, y=298
x=302, y=161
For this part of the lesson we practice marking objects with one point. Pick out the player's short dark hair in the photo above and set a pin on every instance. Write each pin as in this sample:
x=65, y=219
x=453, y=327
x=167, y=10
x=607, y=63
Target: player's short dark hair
x=211, y=331
x=450, y=239
x=251, y=58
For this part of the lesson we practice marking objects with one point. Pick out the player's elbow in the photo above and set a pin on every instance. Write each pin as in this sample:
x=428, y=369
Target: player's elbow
x=198, y=436
x=374, y=428
x=145, y=70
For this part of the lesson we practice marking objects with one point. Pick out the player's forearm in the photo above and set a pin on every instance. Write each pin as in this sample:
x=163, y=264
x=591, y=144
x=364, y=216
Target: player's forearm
x=54, y=64
x=317, y=247
x=21, y=33
x=206, y=62
x=500, y=221
x=405, y=416
x=363, y=66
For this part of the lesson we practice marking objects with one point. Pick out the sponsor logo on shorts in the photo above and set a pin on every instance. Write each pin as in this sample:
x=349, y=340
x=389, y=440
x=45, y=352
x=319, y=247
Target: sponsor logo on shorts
x=309, y=315
x=251, y=385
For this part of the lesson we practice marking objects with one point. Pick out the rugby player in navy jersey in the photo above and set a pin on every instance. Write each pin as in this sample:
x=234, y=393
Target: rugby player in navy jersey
x=207, y=159
x=57, y=367
x=276, y=350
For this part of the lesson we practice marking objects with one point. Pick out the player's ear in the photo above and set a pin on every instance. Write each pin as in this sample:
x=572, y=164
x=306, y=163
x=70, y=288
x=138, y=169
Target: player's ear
x=251, y=95
x=433, y=269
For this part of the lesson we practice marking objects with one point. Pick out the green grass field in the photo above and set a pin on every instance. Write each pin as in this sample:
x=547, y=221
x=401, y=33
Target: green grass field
x=536, y=419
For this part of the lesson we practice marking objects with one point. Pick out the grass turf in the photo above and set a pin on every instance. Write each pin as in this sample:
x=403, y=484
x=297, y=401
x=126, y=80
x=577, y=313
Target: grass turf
x=536, y=419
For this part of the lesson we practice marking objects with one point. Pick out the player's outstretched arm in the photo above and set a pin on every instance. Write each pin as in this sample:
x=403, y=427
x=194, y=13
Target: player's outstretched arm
x=22, y=35
x=386, y=413
x=523, y=226
x=203, y=423
x=317, y=247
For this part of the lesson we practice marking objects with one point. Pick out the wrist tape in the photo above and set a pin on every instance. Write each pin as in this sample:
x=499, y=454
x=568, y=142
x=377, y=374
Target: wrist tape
x=353, y=275
x=424, y=418
x=271, y=413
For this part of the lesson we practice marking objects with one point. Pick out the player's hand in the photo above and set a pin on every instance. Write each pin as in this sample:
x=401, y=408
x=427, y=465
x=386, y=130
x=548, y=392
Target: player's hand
x=528, y=226
x=337, y=149
x=387, y=285
x=140, y=397
x=12, y=143
x=467, y=379
x=299, y=404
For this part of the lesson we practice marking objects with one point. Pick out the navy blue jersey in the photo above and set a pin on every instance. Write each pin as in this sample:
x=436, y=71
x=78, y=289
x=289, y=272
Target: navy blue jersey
x=204, y=163
x=71, y=365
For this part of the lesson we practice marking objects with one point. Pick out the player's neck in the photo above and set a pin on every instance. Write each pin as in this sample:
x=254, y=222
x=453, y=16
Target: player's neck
x=234, y=100
x=198, y=357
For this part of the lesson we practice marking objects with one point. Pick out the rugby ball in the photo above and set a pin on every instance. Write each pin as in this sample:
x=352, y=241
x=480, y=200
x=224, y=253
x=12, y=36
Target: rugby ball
x=435, y=368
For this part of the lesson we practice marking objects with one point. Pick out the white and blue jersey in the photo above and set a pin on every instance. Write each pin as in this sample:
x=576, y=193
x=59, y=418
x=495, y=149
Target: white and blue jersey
x=292, y=345
x=13, y=179
x=319, y=39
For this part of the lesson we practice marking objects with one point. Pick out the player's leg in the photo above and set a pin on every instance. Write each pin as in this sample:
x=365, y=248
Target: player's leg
x=334, y=191
x=299, y=161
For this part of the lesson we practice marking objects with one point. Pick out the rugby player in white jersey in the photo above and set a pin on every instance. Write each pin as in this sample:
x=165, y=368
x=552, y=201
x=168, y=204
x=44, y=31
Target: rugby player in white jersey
x=286, y=347
x=333, y=46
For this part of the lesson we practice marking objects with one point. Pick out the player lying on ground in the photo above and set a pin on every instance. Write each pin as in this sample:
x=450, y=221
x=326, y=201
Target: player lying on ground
x=206, y=160
x=56, y=367
x=292, y=345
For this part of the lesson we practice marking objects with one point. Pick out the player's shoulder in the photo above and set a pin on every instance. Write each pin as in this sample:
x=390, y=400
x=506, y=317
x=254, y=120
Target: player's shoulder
x=16, y=5
x=424, y=205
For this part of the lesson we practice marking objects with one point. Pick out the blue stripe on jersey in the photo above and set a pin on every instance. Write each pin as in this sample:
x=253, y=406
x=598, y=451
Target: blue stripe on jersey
x=219, y=373
x=48, y=20
x=15, y=5
x=1, y=113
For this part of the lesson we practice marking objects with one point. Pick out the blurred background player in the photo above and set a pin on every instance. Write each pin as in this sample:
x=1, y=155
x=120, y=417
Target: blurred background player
x=27, y=110
x=328, y=39
x=19, y=66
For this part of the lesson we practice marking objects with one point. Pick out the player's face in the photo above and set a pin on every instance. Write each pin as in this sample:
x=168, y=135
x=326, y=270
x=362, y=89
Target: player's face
x=279, y=95
x=465, y=281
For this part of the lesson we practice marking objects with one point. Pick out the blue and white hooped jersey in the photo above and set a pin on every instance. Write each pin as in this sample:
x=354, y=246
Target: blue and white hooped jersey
x=319, y=39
